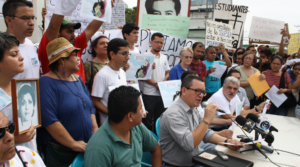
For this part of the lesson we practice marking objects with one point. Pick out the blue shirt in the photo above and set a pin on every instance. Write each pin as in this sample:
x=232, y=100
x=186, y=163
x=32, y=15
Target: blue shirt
x=58, y=103
x=289, y=71
x=176, y=72
x=212, y=84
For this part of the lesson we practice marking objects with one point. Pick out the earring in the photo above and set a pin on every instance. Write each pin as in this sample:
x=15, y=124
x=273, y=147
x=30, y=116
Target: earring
x=64, y=70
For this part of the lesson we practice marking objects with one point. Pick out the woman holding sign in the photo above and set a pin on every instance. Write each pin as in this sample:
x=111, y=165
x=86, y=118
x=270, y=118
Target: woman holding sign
x=186, y=57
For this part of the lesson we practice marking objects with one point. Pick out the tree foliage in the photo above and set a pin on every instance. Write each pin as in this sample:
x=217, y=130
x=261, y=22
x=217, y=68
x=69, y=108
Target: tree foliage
x=273, y=49
x=130, y=15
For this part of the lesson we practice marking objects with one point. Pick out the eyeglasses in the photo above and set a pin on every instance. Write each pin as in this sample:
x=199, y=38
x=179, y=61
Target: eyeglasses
x=188, y=57
x=26, y=18
x=10, y=128
x=198, y=91
x=248, y=58
x=124, y=54
x=158, y=42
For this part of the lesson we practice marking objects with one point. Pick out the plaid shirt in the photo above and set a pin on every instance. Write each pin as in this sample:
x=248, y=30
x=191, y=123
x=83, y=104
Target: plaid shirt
x=200, y=68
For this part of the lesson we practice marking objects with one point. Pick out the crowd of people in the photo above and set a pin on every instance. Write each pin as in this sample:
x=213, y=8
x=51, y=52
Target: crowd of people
x=80, y=112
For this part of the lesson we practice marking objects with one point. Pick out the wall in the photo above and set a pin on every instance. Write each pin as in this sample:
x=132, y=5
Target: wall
x=37, y=34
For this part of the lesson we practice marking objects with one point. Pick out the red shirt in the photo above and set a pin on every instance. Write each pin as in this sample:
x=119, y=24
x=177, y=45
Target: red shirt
x=79, y=42
x=275, y=80
x=200, y=68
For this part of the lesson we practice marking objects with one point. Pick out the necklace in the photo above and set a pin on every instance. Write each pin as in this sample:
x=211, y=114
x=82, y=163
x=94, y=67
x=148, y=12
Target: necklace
x=119, y=77
x=80, y=96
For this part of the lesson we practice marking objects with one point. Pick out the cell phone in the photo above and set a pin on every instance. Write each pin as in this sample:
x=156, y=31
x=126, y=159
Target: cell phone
x=241, y=136
x=223, y=156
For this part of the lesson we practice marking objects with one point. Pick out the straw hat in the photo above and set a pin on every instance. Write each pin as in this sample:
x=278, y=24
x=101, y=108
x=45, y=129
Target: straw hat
x=58, y=48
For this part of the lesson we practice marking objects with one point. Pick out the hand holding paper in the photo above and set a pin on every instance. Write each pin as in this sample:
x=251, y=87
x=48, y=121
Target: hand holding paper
x=277, y=99
x=219, y=70
x=258, y=86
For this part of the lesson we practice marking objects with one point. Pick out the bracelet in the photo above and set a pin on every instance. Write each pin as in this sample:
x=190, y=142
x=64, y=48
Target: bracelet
x=225, y=142
x=205, y=122
x=256, y=109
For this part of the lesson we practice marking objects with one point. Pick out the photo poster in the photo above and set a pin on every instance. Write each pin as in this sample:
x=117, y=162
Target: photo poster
x=26, y=107
x=97, y=9
x=168, y=90
x=266, y=29
x=117, y=17
x=136, y=86
x=234, y=15
x=217, y=33
x=173, y=25
x=163, y=7
x=140, y=67
x=75, y=18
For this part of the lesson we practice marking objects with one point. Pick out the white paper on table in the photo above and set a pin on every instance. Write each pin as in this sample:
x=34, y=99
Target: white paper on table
x=293, y=60
x=277, y=99
x=265, y=109
x=249, y=143
x=220, y=69
x=66, y=7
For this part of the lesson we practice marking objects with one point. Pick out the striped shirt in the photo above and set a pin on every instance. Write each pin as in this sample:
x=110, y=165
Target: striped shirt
x=275, y=80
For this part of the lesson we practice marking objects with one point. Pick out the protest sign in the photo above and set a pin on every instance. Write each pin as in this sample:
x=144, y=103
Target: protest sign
x=294, y=44
x=266, y=29
x=172, y=25
x=117, y=17
x=76, y=18
x=140, y=66
x=168, y=91
x=174, y=8
x=217, y=33
x=234, y=15
x=97, y=9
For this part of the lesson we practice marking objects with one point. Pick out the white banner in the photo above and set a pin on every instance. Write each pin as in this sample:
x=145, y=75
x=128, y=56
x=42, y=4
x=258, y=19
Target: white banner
x=234, y=15
x=117, y=17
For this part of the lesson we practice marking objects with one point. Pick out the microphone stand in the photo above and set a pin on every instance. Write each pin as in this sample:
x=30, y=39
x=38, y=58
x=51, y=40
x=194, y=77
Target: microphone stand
x=254, y=146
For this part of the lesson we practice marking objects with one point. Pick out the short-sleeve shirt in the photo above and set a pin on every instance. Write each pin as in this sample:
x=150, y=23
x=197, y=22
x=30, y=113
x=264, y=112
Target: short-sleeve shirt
x=90, y=73
x=79, y=42
x=275, y=80
x=200, y=68
x=176, y=72
x=212, y=84
x=105, y=78
x=158, y=74
x=106, y=149
x=59, y=103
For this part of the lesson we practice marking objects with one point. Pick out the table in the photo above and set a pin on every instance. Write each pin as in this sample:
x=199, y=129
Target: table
x=287, y=138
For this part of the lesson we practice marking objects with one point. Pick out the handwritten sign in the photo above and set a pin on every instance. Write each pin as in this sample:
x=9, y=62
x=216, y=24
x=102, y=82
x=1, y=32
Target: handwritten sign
x=234, y=15
x=117, y=18
x=140, y=66
x=172, y=25
x=266, y=29
x=294, y=44
x=217, y=33
x=97, y=9
x=168, y=91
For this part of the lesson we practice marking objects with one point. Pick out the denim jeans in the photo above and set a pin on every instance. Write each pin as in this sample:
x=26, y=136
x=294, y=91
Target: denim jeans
x=277, y=111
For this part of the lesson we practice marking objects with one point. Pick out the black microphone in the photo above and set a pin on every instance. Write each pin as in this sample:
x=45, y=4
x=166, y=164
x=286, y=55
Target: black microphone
x=248, y=125
x=204, y=104
x=266, y=148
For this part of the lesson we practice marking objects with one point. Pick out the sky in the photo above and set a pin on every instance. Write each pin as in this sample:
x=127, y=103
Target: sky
x=283, y=10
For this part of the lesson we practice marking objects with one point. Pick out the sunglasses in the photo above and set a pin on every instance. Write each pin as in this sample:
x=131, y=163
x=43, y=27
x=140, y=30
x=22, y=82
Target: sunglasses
x=10, y=128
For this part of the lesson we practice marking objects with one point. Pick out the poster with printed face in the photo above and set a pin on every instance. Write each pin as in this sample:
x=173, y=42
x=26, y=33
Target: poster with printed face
x=140, y=67
x=234, y=15
x=97, y=9
x=169, y=91
x=162, y=7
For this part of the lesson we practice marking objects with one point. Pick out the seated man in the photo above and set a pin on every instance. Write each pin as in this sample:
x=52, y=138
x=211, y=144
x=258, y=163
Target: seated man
x=182, y=129
x=11, y=155
x=122, y=139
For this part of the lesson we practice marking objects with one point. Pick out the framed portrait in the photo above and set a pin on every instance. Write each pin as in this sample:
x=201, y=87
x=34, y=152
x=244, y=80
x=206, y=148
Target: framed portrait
x=162, y=7
x=26, y=104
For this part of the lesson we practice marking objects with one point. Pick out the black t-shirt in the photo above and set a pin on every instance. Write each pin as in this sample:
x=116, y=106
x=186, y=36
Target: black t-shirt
x=265, y=67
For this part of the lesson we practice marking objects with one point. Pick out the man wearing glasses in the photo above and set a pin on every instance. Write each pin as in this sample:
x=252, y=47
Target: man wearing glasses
x=11, y=155
x=152, y=99
x=182, y=129
x=20, y=19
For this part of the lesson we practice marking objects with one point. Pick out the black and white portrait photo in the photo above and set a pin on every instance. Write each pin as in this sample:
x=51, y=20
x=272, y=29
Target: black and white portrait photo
x=163, y=7
x=27, y=105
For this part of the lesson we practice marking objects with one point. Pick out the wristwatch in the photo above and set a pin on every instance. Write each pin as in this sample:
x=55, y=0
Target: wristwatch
x=256, y=109
x=225, y=142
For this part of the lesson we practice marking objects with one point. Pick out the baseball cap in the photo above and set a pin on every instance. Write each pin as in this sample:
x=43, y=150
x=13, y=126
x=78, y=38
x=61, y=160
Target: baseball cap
x=67, y=23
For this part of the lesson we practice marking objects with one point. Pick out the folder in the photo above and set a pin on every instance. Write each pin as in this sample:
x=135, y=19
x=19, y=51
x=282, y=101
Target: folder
x=259, y=87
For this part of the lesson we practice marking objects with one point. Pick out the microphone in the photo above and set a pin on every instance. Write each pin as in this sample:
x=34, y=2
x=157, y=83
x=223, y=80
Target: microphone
x=266, y=148
x=262, y=123
x=204, y=104
x=248, y=125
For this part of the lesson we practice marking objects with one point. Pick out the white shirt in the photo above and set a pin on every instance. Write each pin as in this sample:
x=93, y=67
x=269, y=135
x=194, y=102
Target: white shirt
x=158, y=74
x=105, y=78
x=31, y=61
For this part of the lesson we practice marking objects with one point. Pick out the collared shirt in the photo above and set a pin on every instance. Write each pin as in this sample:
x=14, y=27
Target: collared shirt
x=105, y=148
x=176, y=72
x=242, y=95
x=176, y=139
x=200, y=68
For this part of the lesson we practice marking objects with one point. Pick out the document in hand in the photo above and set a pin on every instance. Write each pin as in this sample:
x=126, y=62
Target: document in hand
x=259, y=87
x=277, y=99
x=220, y=69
